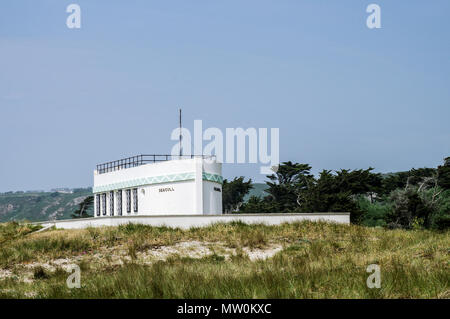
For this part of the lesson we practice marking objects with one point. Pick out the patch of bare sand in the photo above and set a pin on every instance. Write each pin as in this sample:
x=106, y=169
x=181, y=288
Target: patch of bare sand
x=5, y=273
x=118, y=255
x=262, y=254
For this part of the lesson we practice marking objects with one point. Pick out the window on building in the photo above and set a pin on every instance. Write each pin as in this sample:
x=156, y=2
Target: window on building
x=97, y=204
x=104, y=204
x=119, y=202
x=128, y=200
x=111, y=203
x=135, y=200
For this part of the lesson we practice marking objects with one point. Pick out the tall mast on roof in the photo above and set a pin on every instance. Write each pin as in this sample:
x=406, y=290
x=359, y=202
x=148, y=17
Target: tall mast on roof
x=181, y=149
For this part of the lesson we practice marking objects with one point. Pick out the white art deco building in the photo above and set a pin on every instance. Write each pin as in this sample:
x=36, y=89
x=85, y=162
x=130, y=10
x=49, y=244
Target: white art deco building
x=149, y=185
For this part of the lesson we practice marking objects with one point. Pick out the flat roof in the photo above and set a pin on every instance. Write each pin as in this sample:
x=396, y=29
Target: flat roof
x=142, y=159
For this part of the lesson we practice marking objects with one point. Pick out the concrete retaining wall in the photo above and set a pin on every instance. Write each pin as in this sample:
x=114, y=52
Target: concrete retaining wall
x=188, y=221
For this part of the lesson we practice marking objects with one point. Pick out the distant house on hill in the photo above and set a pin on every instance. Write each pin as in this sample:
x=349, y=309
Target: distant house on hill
x=62, y=190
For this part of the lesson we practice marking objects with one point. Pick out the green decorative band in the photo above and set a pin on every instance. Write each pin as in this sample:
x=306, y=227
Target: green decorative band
x=157, y=180
x=212, y=177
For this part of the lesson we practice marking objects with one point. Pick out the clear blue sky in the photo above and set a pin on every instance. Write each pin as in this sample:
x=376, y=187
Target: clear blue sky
x=343, y=96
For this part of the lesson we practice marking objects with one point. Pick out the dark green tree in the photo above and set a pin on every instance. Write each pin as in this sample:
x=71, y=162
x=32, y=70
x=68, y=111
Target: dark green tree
x=412, y=177
x=361, y=181
x=443, y=172
x=287, y=184
x=336, y=192
x=233, y=193
x=258, y=205
x=418, y=175
x=325, y=195
x=441, y=218
x=409, y=207
x=393, y=181
x=83, y=207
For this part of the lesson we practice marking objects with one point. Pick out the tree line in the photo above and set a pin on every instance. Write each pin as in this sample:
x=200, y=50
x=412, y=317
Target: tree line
x=418, y=198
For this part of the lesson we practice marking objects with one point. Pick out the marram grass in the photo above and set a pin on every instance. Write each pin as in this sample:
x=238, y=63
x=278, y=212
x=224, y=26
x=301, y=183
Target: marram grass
x=316, y=260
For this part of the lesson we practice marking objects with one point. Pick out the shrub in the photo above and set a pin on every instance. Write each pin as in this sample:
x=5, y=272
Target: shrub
x=374, y=214
x=441, y=219
x=40, y=273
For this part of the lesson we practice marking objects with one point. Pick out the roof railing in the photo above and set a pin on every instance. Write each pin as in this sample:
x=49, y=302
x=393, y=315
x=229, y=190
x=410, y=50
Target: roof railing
x=143, y=159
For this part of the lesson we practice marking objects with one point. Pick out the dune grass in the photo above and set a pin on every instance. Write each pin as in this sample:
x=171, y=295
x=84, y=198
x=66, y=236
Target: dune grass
x=318, y=260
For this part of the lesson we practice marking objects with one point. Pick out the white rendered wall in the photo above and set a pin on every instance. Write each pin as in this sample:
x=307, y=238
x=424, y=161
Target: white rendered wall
x=151, y=169
x=186, y=222
x=212, y=167
x=212, y=198
x=177, y=200
x=198, y=186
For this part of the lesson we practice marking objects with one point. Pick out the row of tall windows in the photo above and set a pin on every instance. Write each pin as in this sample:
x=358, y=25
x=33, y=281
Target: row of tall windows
x=135, y=200
x=116, y=197
x=97, y=204
x=128, y=200
x=119, y=202
x=111, y=203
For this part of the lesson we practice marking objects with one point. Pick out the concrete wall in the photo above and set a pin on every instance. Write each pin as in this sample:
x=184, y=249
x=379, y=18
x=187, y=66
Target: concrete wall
x=186, y=222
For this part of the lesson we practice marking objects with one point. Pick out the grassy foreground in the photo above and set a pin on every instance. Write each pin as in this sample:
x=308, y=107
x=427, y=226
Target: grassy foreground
x=299, y=260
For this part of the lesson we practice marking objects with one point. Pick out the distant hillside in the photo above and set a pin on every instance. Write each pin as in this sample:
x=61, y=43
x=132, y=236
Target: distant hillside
x=39, y=206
